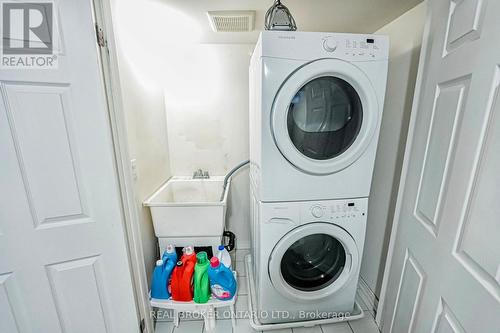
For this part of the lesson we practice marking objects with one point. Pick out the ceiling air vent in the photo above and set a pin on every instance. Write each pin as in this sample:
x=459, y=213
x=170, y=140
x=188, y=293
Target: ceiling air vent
x=232, y=20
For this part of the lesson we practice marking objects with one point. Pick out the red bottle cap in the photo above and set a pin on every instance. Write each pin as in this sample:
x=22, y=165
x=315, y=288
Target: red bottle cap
x=214, y=262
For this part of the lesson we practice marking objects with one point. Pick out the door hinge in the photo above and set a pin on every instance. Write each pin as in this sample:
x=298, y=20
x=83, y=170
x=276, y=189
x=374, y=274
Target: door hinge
x=101, y=41
x=142, y=326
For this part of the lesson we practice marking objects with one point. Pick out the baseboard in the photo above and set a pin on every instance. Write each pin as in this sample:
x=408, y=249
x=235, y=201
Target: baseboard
x=367, y=295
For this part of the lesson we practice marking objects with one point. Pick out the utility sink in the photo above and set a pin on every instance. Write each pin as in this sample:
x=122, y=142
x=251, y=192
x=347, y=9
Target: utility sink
x=186, y=207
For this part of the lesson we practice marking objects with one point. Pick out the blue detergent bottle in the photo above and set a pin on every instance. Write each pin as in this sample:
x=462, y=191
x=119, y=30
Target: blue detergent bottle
x=169, y=254
x=159, y=281
x=169, y=260
x=222, y=281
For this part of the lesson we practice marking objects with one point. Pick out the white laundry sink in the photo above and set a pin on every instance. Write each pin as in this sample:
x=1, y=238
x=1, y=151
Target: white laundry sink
x=185, y=207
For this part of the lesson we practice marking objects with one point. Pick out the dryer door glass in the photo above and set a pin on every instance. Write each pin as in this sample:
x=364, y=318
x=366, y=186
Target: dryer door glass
x=313, y=262
x=324, y=117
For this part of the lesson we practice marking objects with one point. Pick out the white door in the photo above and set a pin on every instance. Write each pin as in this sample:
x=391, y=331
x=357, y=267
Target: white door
x=445, y=272
x=63, y=255
x=324, y=116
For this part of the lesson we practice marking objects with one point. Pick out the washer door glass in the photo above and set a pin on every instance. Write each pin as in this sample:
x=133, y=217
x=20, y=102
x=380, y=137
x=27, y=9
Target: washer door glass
x=324, y=117
x=313, y=262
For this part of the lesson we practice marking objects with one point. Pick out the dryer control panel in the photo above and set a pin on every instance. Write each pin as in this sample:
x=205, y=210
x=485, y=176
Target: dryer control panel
x=317, y=45
x=356, y=47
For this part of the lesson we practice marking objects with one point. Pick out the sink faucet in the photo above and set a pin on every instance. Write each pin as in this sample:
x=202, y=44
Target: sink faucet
x=200, y=174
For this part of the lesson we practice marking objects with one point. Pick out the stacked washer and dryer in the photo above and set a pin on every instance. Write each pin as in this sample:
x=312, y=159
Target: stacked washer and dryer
x=316, y=103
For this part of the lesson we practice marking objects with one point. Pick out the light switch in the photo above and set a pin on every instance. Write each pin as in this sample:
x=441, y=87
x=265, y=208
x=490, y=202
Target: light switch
x=133, y=168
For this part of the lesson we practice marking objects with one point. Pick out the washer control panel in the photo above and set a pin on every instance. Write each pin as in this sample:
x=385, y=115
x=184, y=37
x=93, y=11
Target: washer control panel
x=334, y=210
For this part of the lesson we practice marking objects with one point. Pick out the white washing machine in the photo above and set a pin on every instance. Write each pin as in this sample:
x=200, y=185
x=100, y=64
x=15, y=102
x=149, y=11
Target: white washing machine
x=306, y=258
x=316, y=104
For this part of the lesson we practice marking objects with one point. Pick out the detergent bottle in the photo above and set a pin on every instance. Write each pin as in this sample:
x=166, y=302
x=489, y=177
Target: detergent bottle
x=169, y=260
x=181, y=286
x=159, y=282
x=200, y=282
x=222, y=281
x=224, y=256
x=169, y=253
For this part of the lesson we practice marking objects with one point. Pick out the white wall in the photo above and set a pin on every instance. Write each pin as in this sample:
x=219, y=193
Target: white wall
x=207, y=122
x=196, y=92
x=405, y=35
x=143, y=105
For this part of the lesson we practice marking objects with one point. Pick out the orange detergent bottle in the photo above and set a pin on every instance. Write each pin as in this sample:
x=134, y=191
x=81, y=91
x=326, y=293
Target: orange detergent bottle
x=182, y=277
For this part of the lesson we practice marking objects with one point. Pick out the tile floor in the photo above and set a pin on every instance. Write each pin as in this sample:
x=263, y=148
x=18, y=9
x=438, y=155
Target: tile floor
x=364, y=325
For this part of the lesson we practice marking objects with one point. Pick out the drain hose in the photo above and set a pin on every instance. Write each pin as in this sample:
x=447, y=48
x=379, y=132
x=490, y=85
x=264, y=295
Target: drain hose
x=229, y=174
x=228, y=234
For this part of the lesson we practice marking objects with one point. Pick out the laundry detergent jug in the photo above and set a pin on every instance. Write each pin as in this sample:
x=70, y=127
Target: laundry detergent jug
x=169, y=254
x=159, y=281
x=169, y=260
x=181, y=284
x=201, y=284
x=224, y=256
x=222, y=281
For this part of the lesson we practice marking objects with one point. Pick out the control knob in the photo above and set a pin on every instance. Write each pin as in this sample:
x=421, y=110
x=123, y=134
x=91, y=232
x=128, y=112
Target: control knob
x=329, y=44
x=317, y=211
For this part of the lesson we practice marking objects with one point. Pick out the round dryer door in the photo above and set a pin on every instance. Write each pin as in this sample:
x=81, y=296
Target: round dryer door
x=313, y=261
x=324, y=116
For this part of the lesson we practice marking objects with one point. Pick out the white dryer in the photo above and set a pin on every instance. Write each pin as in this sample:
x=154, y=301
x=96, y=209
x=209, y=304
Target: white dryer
x=306, y=258
x=316, y=103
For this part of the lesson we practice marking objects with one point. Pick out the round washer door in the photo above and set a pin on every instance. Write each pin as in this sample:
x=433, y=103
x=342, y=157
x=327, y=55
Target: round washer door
x=324, y=116
x=313, y=261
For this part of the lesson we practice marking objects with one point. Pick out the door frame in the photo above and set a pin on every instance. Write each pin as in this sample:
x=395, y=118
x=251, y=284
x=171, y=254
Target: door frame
x=424, y=54
x=109, y=66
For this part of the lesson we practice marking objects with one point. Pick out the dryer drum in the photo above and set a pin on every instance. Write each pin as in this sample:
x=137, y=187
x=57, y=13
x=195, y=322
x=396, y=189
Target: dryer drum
x=324, y=118
x=313, y=262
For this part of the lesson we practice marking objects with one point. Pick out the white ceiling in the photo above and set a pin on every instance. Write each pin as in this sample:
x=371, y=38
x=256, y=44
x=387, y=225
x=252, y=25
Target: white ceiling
x=361, y=16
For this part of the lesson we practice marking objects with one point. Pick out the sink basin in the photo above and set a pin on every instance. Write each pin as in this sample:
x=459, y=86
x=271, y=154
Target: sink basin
x=186, y=207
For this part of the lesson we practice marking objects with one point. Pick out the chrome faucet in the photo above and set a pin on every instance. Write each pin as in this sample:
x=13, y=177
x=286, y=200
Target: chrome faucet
x=200, y=174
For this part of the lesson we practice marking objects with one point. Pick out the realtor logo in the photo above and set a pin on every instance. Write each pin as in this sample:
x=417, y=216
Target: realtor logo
x=28, y=35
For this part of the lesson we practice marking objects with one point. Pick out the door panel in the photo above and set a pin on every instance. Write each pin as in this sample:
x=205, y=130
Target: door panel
x=32, y=132
x=446, y=321
x=63, y=256
x=444, y=274
x=464, y=22
x=439, y=150
x=12, y=317
x=477, y=250
x=86, y=273
x=408, y=294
